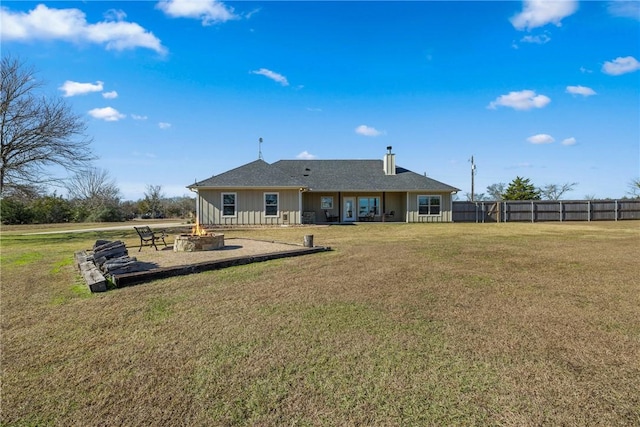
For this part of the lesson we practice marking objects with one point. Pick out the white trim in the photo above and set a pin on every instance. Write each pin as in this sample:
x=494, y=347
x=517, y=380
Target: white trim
x=344, y=213
x=198, y=202
x=235, y=205
x=407, y=214
x=326, y=207
x=264, y=204
x=299, y=220
x=377, y=206
x=439, y=196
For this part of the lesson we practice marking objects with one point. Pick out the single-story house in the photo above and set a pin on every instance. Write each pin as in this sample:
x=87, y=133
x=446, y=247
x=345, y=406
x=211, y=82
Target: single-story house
x=320, y=191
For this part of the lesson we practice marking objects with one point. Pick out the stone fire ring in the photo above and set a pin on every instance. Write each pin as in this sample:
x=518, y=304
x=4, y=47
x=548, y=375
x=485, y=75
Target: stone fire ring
x=192, y=243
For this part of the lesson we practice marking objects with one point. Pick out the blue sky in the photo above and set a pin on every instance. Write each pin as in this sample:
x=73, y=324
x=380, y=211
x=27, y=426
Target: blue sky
x=176, y=91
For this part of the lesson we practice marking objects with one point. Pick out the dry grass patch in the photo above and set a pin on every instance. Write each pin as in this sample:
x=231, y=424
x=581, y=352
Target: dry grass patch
x=431, y=324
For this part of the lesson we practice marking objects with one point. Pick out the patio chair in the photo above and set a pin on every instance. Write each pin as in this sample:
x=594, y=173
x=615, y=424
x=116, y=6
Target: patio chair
x=330, y=217
x=149, y=237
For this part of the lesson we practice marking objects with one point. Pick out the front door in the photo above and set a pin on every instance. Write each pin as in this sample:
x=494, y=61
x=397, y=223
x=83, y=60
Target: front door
x=348, y=209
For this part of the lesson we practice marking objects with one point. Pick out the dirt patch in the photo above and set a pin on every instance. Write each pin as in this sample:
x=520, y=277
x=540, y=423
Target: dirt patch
x=165, y=263
x=234, y=247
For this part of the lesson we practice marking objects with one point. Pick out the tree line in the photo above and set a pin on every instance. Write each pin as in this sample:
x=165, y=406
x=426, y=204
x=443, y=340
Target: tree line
x=96, y=204
x=523, y=189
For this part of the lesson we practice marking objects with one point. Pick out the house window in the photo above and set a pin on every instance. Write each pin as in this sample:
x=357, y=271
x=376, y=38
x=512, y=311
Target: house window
x=429, y=205
x=368, y=206
x=228, y=204
x=326, y=202
x=271, y=204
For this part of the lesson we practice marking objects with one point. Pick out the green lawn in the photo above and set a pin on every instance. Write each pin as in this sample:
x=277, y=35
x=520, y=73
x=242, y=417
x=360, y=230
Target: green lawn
x=401, y=324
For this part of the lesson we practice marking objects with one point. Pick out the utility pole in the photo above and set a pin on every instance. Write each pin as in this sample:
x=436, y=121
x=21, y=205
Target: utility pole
x=260, y=148
x=473, y=173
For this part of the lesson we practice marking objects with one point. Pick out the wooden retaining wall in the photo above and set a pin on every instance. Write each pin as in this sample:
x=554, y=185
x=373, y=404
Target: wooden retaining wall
x=546, y=210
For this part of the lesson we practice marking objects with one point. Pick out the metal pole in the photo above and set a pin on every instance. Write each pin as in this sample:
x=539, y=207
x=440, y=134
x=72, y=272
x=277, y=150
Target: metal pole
x=473, y=172
x=532, y=219
x=560, y=210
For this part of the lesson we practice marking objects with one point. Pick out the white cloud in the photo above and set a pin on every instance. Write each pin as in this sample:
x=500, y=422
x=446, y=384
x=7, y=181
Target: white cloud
x=305, y=155
x=367, y=131
x=272, y=75
x=520, y=166
x=108, y=114
x=625, y=9
x=110, y=95
x=621, y=65
x=580, y=90
x=522, y=100
x=75, y=88
x=541, y=138
x=115, y=15
x=585, y=70
x=138, y=117
x=43, y=23
x=569, y=141
x=164, y=125
x=207, y=11
x=541, y=39
x=538, y=13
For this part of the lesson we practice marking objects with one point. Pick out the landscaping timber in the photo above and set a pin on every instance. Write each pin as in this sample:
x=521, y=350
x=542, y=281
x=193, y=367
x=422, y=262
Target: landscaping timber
x=108, y=251
x=93, y=277
x=126, y=279
x=107, y=258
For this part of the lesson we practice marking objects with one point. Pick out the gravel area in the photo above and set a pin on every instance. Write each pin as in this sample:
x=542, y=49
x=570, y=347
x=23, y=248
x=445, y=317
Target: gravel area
x=234, y=247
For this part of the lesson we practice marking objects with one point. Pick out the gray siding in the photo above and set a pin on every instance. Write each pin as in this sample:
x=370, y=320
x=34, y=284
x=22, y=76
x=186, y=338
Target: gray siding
x=445, y=208
x=311, y=203
x=249, y=208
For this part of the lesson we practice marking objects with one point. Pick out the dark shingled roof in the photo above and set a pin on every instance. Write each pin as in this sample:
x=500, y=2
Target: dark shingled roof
x=324, y=175
x=255, y=174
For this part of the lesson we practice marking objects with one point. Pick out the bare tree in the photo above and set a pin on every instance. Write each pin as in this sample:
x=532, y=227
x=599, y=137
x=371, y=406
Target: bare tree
x=95, y=196
x=555, y=191
x=36, y=132
x=476, y=197
x=495, y=191
x=94, y=188
x=153, y=197
x=634, y=188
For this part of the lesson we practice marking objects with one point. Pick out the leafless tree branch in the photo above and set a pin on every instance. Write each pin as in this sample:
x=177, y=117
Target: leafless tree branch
x=36, y=132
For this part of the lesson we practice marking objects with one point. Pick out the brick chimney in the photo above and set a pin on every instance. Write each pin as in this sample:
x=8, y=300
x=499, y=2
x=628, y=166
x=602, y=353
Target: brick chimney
x=389, y=162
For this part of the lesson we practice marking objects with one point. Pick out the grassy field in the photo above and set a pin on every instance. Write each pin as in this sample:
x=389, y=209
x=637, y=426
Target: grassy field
x=402, y=324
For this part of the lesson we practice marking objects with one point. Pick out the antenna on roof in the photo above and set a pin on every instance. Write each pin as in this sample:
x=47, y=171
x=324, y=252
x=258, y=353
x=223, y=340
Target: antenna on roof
x=260, y=148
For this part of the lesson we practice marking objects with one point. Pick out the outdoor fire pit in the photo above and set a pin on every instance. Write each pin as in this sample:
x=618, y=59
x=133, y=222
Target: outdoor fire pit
x=198, y=240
